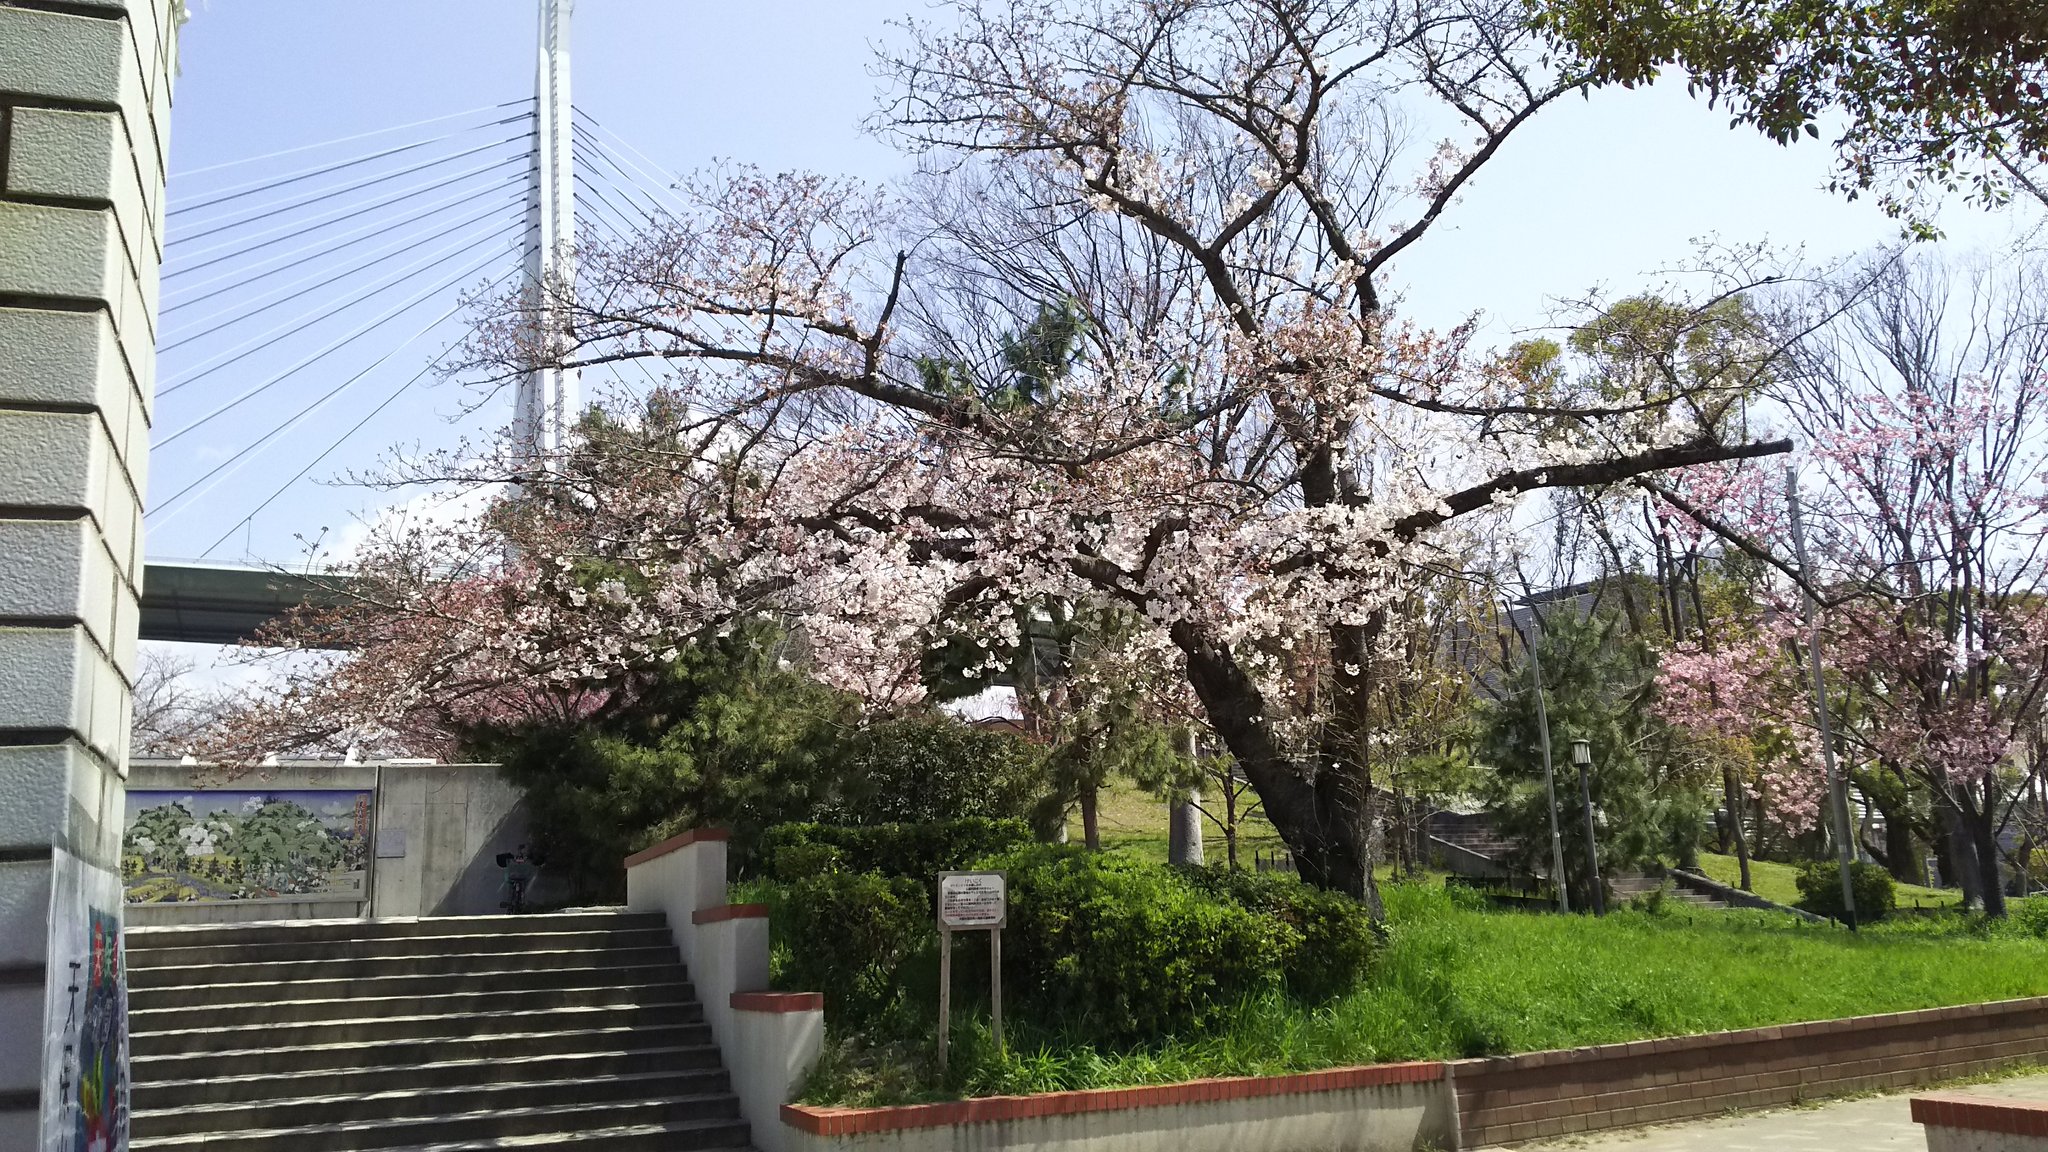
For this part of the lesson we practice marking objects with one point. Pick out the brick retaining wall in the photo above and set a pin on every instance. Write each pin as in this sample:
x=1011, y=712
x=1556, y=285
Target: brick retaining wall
x=1513, y=1098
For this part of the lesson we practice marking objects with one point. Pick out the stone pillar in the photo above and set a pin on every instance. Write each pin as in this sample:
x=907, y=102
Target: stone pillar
x=84, y=97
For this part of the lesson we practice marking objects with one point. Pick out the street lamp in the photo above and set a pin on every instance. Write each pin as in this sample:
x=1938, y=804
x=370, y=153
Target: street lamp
x=1582, y=759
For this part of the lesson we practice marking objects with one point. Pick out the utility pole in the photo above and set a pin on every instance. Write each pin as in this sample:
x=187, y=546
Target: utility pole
x=547, y=396
x=1557, y=878
x=1839, y=796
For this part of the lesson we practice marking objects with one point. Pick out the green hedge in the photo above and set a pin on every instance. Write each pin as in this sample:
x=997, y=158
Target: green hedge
x=1334, y=938
x=1099, y=944
x=848, y=935
x=1128, y=950
x=1820, y=889
x=917, y=851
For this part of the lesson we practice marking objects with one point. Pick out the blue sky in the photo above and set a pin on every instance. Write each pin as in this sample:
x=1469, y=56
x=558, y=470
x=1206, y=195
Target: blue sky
x=1601, y=192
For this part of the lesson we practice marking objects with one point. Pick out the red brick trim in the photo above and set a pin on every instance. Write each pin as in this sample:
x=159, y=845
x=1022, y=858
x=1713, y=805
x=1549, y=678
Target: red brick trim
x=1981, y=1114
x=1640, y=1048
x=674, y=842
x=729, y=912
x=779, y=1001
x=1539, y=1095
x=992, y=1109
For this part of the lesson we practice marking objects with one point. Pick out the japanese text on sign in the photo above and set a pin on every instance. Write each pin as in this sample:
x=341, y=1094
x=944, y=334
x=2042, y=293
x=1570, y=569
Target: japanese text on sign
x=971, y=899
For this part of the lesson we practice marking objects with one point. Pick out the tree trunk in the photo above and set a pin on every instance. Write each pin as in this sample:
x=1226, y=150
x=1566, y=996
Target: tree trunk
x=1960, y=868
x=1323, y=823
x=1184, y=834
x=1091, y=834
x=1732, y=797
x=1229, y=820
x=1979, y=817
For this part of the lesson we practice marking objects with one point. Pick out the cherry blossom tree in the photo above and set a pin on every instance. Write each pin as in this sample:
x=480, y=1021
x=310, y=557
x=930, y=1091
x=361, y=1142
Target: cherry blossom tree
x=1253, y=455
x=1922, y=400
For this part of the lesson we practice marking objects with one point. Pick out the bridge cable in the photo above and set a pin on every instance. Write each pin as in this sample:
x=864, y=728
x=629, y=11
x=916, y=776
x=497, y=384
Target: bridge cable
x=639, y=362
x=244, y=453
x=183, y=173
x=299, y=256
x=331, y=193
x=296, y=229
x=315, y=357
x=649, y=172
x=306, y=174
x=300, y=323
x=409, y=242
x=351, y=431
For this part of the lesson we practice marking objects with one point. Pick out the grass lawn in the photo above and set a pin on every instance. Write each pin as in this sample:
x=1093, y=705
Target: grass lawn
x=1778, y=883
x=1458, y=979
x=1129, y=818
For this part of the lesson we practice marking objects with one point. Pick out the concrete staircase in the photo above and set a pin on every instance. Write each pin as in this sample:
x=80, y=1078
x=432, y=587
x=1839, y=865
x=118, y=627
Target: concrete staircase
x=571, y=1031
x=1627, y=888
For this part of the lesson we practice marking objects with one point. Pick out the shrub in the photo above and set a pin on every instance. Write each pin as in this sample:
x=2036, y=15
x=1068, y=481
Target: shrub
x=2031, y=916
x=928, y=769
x=847, y=934
x=918, y=851
x=1336, y=936
x=1820, y=889
x=1127, y=950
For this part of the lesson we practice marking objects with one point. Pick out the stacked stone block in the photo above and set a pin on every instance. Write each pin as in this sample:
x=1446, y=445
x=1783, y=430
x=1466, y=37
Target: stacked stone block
x=84, y=106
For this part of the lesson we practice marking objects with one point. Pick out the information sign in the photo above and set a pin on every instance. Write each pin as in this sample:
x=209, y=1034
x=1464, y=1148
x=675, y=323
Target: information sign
x=971, y=900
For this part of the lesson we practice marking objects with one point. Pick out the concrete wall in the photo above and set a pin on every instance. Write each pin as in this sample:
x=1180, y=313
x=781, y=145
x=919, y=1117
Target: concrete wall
x=455, y=819
x=770, y=1040
x=1382, y=1108
x=443, y=825
x=84, y=104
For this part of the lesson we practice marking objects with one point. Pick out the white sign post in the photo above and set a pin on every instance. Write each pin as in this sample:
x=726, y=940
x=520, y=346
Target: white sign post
x=971, y=901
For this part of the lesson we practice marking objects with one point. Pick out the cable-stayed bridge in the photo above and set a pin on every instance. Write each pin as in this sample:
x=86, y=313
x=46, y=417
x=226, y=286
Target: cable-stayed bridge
x=313, y=303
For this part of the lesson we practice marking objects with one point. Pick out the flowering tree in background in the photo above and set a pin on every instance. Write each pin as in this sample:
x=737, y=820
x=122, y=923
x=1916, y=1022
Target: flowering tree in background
x=1923, y=401
x=1252, y=457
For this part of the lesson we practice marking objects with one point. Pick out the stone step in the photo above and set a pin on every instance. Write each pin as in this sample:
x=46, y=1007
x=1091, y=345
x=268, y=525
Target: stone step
x=291, y=1013
x=347, y=966
x=414, y=1118
x=447, y=944
x=403, y=1053
x=697, y=1065
x=402, y=1103
x=410, y=1029
x=285, y=931
x=382, y=987
x=668, y=1124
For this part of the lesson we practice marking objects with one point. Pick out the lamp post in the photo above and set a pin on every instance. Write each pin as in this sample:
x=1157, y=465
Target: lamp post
x=1582, y=759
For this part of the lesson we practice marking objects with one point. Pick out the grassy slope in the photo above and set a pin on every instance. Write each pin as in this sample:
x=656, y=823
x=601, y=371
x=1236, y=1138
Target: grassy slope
x=1777, y=882
x=1132, y=819
x=1459, y=981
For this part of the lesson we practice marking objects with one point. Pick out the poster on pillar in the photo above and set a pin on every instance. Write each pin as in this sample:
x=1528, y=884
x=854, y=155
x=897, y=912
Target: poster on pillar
x=85, y=1012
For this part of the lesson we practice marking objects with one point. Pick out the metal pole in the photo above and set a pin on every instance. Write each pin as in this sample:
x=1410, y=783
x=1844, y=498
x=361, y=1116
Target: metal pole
x=1582, y=758
x=945, y=992
x=995, y=985
x=1564, y=900
x=1837, y=794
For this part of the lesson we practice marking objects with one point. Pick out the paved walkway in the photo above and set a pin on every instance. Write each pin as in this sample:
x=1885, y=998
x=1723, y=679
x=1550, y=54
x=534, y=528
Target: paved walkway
x=1862, y=1125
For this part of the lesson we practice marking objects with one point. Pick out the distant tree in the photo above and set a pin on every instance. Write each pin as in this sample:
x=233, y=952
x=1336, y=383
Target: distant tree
x=1923, y=393
x=1597, y=687
x=171, y=716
